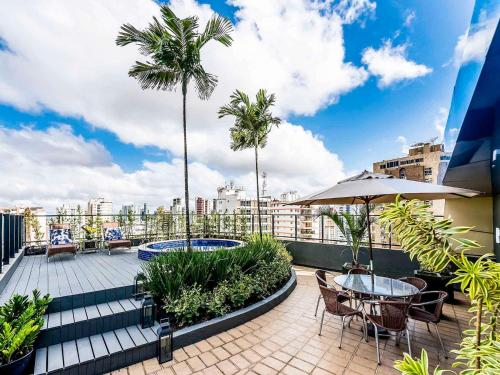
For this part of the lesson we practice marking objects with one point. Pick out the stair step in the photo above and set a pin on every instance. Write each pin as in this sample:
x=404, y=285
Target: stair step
x=86, y=321
x=89, y=298
x=99, y=353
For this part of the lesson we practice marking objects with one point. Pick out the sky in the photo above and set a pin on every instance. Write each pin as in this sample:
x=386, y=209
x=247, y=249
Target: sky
x=357, y=81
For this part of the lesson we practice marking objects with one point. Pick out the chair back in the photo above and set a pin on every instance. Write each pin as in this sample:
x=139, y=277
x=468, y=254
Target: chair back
x=434, y=301
x=110, y=225
x=418, y=283
x=394, y=314
x=331, y=298
x=60, y=234
x=359, y=271
x=60, y=226
x=321, y=278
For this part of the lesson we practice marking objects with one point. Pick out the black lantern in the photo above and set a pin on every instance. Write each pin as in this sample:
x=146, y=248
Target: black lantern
x=139, y=286
x=165, y=336
x=148, y=307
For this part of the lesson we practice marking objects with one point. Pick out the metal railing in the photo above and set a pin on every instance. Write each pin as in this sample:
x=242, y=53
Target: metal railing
x=11, y=237
x=164, y=226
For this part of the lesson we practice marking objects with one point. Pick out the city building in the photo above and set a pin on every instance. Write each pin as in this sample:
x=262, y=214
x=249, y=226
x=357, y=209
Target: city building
x=425, y=162
x=99, y=206
x=289, y=221
x=203, y=206
x=233, y=199
x=177, y=206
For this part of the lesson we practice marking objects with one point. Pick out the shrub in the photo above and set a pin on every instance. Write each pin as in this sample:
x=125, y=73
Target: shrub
x=188, y=307
x=21, y=319
x=198, y=285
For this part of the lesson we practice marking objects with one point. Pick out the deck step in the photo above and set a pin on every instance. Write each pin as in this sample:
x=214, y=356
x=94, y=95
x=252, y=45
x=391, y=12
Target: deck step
x=89, y=320
x=74, y=301
x=99, y=353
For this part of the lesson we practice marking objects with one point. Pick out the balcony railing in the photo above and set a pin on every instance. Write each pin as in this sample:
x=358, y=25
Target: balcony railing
x=163, y=226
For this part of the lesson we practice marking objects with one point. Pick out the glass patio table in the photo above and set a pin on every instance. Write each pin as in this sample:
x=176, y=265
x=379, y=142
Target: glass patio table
x=376, y=286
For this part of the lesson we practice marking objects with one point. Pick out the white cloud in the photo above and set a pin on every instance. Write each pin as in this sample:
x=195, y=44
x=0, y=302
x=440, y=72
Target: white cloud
x=473, y=44
x=64, y=58
x=409, y=18
x=353, y=10
x=404, y=144
x=440, y=122
x=54, y=166
x=390, y=64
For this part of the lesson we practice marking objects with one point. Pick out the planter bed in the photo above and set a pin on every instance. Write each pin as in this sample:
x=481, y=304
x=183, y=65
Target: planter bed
x=200, y=331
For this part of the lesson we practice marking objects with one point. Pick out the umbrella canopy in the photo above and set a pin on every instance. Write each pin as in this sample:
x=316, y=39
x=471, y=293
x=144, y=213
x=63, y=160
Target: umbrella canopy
x=381, y=188
x=368, y=187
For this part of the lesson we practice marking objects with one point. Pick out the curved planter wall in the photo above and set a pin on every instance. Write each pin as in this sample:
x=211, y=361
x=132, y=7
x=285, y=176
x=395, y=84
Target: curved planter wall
x=190, y=335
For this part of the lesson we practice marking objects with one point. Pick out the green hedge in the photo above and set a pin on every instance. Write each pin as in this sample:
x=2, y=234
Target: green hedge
x=194, y=286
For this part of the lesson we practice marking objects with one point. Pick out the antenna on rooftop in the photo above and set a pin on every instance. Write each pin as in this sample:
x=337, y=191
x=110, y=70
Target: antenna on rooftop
x=264, y=183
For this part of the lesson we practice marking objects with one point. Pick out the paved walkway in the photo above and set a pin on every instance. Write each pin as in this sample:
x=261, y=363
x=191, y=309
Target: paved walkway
x=286, y=341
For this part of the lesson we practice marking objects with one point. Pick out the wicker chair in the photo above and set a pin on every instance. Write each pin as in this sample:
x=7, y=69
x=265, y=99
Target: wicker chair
x=418, y=283
x=393, y=318
x=321, y=279
x=333, y=304
x=54, y=249
x=430, y=311
x=114, y=244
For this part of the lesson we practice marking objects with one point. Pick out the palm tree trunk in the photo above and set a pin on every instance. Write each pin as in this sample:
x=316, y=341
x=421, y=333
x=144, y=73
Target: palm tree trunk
x=186, y=176
x=257, y=179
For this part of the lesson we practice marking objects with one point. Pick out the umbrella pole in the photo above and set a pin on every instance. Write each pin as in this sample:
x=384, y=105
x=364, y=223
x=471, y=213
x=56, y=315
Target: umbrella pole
x=370, y=249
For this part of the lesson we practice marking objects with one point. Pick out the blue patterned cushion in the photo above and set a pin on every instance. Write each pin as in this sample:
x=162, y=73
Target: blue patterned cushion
x=113, y=234
x=60, y=237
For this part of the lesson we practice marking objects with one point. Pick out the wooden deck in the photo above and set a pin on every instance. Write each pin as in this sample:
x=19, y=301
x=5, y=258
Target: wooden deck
x=67, y=276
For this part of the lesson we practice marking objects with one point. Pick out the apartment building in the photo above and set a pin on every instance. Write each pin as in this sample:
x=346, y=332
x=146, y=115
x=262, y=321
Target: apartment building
x=291, y=220
x=425, y=162
x=99, y=206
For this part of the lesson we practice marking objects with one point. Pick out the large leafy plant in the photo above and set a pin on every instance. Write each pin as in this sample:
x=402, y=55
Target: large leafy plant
x=201, y=284
x=352, y=227
x=21, y=319
x=434, y=243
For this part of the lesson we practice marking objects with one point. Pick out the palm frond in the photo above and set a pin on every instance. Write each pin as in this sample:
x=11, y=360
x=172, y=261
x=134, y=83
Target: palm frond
x=153, y=76
x=205, y=82
x=218, y=28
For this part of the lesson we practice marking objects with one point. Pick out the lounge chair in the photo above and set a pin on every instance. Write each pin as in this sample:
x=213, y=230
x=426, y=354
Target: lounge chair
x=60, y=240
x=113, y=237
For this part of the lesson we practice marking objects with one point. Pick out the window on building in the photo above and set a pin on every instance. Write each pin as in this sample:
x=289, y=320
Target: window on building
x=393, y=164
x=428, y=171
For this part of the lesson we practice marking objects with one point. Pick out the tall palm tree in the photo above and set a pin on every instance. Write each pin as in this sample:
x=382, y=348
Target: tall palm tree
x=173, y=46
x=252, y=123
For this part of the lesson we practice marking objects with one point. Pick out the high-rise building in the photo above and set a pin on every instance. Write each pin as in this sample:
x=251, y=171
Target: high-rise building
x=177, y=206
x=291, y=220
x=425, y=162
x=233, y=199
x=203, y=206
x=99, y=206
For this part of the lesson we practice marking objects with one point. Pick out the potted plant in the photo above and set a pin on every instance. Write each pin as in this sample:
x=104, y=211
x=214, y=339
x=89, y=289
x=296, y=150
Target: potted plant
x=353, y=228
x=436, y=243
x=34, y=234
x=90, y=242
x=21, y=319
x=437, y=280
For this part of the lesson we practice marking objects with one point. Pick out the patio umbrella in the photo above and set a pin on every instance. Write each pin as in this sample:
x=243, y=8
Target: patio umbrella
x=368, y=187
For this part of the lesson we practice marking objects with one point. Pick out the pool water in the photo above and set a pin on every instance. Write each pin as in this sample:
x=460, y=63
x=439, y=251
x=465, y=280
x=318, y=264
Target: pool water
x=152, y=249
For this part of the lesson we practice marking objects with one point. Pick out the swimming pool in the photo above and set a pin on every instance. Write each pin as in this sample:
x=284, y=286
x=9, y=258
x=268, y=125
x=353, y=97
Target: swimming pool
x=152, y=249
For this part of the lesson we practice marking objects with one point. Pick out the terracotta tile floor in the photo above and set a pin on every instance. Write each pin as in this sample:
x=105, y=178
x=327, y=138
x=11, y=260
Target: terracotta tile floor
x=286, y=341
